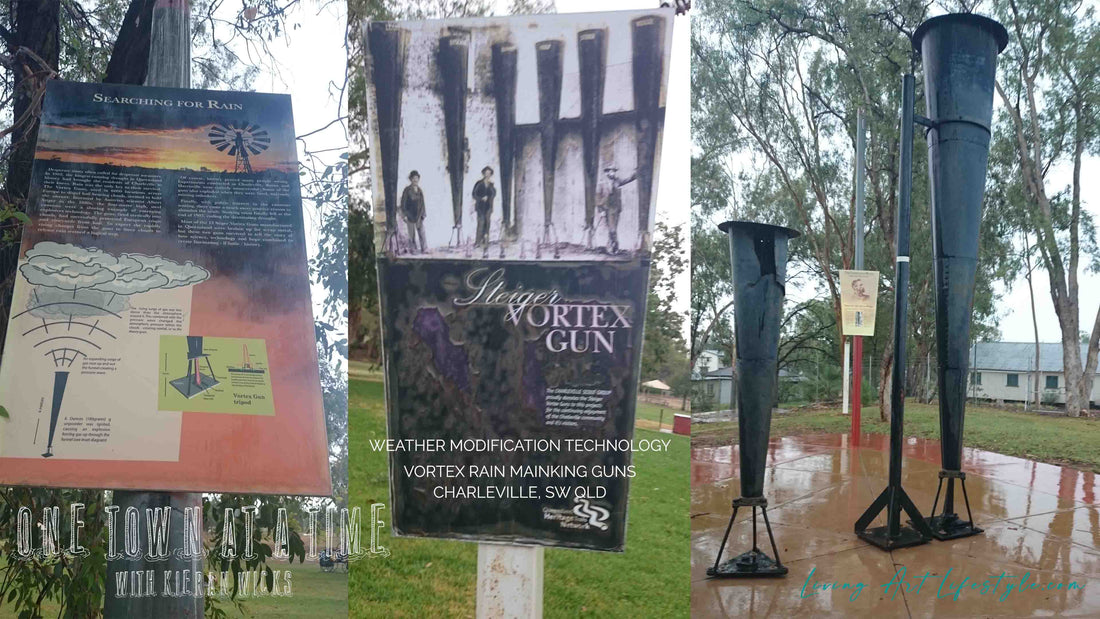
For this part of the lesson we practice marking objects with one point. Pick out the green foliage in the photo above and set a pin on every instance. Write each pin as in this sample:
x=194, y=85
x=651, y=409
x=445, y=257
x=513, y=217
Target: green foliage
x=72, y=584
x=776, y=89
x=1047, y=124
x=664, y=354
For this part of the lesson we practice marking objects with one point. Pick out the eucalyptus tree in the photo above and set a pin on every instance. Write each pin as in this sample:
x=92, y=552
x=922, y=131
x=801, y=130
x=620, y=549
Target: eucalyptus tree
x=1049, y=122
x=777, y=88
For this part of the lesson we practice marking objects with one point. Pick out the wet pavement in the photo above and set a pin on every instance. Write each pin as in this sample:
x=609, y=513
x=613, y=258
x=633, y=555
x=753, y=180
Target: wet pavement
x=1040, y=520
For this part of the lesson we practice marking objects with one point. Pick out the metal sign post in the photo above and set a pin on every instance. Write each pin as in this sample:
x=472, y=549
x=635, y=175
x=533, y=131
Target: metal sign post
x=857, y=340
x=894, y=499
x=509, y=581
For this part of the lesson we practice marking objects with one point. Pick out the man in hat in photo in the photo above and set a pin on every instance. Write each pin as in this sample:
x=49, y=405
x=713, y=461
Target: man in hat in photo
x=610, y=201
x=484, y=194
x=413, y=210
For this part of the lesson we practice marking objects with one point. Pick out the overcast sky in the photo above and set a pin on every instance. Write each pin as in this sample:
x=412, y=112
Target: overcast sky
x=311, y=63
x=1014, y=304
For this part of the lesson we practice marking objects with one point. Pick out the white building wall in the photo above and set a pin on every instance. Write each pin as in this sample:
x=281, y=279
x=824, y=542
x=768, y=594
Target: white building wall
x=707, y=361
x=994, y=386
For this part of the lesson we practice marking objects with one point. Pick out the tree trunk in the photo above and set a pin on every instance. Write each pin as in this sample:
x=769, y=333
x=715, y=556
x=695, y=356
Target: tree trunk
x=129, y=63
x=35, y=26
x=884, y=410
x=1034, y=323
x=1076, y=398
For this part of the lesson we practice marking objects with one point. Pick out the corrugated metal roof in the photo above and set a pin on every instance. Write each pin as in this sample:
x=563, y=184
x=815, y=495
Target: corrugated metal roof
x=1019, y=356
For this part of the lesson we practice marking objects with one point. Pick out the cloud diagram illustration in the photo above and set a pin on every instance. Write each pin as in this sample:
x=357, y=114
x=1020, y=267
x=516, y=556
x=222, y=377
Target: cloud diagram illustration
x=76, y=293
x=70, y=280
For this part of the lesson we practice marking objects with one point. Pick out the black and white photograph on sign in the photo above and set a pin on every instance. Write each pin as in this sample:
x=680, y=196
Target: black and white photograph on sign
x=520, y=138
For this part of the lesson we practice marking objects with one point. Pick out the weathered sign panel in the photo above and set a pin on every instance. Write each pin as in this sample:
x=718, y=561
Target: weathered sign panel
x=161, y=335
x=515, y=164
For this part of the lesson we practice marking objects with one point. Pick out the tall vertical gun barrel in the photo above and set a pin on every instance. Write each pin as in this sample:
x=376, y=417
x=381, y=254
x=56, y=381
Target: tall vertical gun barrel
x=60, y=380
x=758, y=253
x=592, y=49
x=504, y=92
x=648, y=46
x=453, y=60
x=959, y=54
x=388, y=46
x=548, y=58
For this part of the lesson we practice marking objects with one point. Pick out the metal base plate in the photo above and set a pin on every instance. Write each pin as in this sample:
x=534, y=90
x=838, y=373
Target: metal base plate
x=187, y=387
x=879, y=536
x=751, y=564
x=950, y=526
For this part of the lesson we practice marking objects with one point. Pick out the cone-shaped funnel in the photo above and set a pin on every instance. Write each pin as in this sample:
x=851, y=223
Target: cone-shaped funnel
x=759, y=257
x=504, y=93
x=454, y=48
x=549, y=63
x=60, y=380
x=592, y=48
x=388, y=45
x=758, y=253
x=648, y=43
x=959, y=54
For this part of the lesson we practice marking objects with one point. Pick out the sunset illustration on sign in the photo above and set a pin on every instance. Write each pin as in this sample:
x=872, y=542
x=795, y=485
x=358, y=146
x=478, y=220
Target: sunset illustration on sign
x=220, y=146
x=77, y=296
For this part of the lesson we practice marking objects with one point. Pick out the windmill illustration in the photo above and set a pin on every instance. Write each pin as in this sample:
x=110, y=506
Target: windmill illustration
x=239, y=140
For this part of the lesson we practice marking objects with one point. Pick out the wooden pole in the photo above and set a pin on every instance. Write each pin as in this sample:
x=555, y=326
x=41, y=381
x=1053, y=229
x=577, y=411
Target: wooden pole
x=169, y=66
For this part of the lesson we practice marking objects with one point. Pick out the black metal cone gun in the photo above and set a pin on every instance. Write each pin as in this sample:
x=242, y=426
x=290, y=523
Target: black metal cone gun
x=504, y=92
x=592, y=49
x=648, y=43
x=549, y=61
x=389, y=51
x=453, y=59
x=60, y=379
x=893, y=498
x=959, y=53
x=758, y=253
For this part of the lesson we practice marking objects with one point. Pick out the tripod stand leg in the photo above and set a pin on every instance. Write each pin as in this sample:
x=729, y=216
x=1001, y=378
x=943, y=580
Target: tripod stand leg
x=722, y=546
x=768, y=525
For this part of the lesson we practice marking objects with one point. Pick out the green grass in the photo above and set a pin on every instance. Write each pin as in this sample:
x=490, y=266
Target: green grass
x=313, y=594
x=1058, y=440
x=364, y=370
x=425, y=578
x=652, y=412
